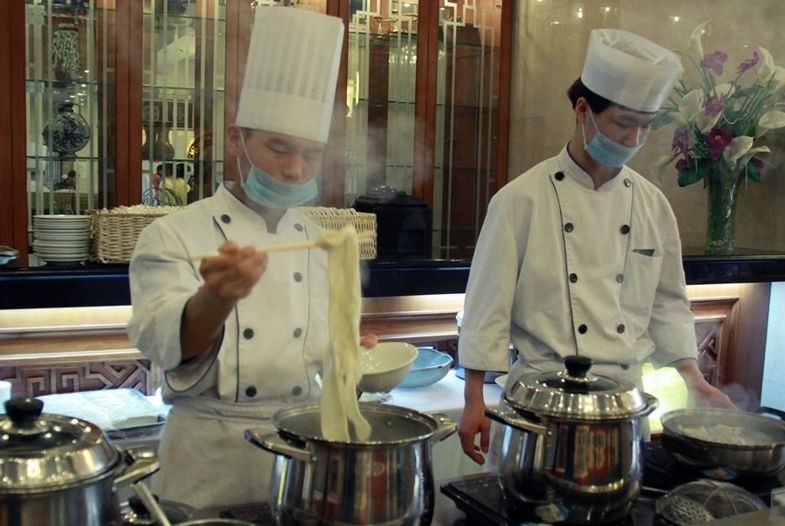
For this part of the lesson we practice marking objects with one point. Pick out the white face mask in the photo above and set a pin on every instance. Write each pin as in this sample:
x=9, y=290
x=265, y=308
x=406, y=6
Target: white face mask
x=268, y=191
x=605, y=150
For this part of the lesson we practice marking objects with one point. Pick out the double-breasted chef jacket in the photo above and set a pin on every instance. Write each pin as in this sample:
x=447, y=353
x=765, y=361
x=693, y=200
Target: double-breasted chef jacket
x=561, y=268
x=269, y=356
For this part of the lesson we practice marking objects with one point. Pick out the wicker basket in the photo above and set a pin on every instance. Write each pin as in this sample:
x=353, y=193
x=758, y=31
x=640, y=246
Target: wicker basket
x=113, y=233
x=337, y=218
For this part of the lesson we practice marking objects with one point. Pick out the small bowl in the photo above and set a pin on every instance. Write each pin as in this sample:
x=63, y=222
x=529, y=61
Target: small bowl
x=385, y=366
x=429, y=367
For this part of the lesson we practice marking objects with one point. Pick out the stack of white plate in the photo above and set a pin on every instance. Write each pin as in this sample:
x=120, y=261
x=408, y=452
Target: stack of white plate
x=61, y=238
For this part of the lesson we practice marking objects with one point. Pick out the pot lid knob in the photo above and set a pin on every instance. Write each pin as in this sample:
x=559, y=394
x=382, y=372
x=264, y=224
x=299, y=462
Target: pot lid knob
x=23, y=416
x=577, y=366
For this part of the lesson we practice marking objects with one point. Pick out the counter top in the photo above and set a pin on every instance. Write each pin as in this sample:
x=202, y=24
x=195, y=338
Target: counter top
x=86, y=285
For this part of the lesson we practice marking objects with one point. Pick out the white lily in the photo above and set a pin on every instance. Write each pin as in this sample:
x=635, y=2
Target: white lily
x=768, y=71
x=737, y=148
x=690, y=106
x=694, y=43
x=771, y=120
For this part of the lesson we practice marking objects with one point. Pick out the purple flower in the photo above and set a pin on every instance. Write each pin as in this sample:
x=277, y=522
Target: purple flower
x=682, y=163
x=714, y=61
x=714, y=105
x=750, y=62
x=717, y=140
x=681, y=141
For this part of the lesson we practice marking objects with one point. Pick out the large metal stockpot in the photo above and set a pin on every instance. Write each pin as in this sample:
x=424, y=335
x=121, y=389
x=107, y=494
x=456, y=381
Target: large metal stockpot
x=571, y=444
x=61, y=471
x=387, y=479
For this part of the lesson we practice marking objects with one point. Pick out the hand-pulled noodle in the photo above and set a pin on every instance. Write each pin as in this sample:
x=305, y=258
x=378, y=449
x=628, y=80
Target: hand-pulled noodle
x=342, y=367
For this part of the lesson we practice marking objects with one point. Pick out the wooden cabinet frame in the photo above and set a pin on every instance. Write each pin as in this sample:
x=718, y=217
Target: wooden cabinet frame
x=125, y=41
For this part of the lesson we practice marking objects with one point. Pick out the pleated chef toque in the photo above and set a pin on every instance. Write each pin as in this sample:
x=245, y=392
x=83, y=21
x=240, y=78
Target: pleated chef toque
x=629, y=70
x=290, y=75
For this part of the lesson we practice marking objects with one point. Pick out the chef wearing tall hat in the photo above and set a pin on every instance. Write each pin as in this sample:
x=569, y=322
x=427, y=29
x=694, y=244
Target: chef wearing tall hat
x=580, y=255
x=242, y=334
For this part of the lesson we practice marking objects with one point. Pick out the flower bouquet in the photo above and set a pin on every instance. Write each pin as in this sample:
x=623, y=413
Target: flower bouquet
x=719, y=125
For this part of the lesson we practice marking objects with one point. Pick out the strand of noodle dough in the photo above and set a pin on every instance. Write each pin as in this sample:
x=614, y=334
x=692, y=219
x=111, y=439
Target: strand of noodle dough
x=339, y=396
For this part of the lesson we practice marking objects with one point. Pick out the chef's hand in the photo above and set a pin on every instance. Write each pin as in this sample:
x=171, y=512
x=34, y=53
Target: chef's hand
x=231, y=274
x=703, y=394
x=473, y=420
x=228, y=276
x=369, y=340
x=700, y=393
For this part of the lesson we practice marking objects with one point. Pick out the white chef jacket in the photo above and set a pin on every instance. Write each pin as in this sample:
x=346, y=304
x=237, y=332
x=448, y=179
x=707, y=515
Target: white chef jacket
x=561, y=268
x=270, y=354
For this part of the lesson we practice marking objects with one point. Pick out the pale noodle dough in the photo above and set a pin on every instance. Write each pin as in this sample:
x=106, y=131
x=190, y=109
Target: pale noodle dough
x=341, y=371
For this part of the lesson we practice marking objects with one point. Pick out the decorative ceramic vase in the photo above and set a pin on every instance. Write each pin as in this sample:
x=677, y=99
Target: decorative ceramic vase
x=66, y=57
x=159, y=149
x=67, y=132
x=722, y=187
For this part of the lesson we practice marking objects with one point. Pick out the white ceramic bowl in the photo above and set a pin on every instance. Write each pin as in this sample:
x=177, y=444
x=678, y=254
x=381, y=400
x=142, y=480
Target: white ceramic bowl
x=385, y=366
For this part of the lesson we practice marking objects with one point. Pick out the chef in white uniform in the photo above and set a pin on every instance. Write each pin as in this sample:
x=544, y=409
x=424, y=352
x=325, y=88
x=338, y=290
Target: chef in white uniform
x=580, y=255
x=241, y=334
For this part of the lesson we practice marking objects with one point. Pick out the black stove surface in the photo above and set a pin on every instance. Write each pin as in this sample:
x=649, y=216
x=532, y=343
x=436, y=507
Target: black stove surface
x=481, y=497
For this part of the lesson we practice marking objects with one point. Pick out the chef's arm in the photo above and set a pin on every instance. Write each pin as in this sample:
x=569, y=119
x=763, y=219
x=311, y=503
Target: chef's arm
x=202, y=322
x=228, y=277
x=700, y=391
x=473, y=419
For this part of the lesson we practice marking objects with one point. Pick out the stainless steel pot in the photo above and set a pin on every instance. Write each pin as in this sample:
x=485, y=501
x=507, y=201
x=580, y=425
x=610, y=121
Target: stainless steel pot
x=572, y=444
x=61, y=471
x=726, y=444
x=385, y=480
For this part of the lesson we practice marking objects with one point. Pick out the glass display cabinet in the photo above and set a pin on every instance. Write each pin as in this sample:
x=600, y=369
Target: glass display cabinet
x=122, y=98
x=425, y=109
x=131, y=98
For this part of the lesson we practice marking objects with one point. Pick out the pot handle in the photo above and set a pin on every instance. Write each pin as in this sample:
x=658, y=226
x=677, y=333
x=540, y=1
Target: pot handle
x=513, y=419
x=770, y=410
x=141, y=462
x=446, y=426
x=273, y=443
x=651, y=404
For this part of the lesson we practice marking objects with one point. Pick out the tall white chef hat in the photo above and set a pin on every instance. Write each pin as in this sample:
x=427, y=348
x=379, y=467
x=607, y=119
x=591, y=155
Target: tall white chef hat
x=629, y=70
x=290, y=75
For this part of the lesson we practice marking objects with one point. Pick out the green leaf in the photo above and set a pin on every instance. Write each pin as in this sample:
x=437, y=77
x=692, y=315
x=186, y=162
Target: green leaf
x=690, y=175
x=752, y=173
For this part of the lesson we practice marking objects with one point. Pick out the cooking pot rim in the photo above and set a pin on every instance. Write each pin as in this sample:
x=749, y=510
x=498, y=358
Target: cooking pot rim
x=675, y=417
x=365, y=407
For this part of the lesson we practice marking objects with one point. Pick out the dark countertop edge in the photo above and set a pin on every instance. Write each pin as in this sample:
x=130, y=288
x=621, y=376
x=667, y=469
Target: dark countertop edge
x=107, y=285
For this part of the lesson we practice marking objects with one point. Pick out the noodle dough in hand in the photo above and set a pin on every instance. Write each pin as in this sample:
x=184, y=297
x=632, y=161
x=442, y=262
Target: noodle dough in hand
x=342, y=373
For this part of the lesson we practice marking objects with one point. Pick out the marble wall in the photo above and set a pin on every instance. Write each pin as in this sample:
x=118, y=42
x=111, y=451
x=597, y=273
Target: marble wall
x=548, y=55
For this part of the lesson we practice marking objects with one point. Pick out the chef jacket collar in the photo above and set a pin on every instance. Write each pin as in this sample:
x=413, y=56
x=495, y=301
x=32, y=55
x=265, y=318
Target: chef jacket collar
x=580, y=176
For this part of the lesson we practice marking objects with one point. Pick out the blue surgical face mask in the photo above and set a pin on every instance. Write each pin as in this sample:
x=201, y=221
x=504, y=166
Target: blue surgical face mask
x=605, y=150
x=266, y=190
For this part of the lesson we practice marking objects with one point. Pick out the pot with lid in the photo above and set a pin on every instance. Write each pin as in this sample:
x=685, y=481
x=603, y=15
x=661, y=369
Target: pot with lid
x=387, y=479
x=61, y=471
x=571, y=444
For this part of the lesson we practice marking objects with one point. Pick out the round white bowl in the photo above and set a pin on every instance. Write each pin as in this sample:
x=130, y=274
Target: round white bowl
x=385, y=366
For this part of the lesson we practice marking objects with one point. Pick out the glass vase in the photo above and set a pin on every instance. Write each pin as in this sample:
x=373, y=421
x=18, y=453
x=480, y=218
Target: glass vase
x=722, y=187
